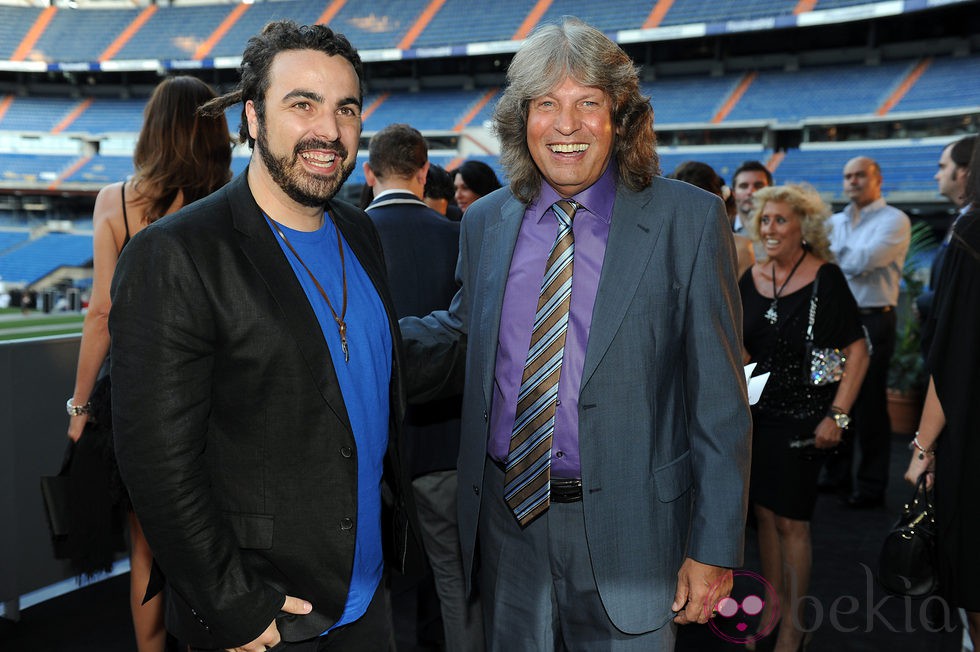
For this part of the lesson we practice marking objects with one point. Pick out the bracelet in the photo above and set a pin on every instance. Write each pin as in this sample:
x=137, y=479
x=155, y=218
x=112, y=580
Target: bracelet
x=914, y=444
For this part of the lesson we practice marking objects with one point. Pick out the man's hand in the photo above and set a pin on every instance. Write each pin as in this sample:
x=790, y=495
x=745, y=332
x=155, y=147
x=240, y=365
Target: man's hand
x=699, y=588
x=270, y=637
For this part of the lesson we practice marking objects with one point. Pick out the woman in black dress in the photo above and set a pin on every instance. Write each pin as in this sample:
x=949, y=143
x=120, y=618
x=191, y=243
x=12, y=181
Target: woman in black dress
x=795, y=420
x=179, y=158
x=948, y=440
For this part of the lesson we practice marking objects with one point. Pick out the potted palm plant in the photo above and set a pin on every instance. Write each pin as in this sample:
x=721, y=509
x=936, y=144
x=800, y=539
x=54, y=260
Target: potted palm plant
x=907, y=376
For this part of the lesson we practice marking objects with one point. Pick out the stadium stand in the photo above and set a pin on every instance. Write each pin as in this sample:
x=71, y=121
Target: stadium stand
x=36, y=114
x=36, y=259
x=782, y=109
x=14, y=25
x=948, y=83
x=791, y=96
x=8, y=239
x=696, y=11
x=81, y=35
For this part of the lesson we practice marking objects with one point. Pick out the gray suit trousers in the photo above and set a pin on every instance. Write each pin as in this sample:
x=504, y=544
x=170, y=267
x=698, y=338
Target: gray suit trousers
x=537, y=584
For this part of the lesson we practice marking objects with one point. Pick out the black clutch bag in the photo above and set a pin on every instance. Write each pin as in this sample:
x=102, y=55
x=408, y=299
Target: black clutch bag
x=56, y=493
x=907, y=564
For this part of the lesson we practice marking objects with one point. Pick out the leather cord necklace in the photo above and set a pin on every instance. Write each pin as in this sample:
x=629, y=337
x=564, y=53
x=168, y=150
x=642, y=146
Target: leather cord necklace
x=341, y=324
x=773, y=313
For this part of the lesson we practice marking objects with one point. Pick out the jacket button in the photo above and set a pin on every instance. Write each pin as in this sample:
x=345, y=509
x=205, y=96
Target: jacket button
x=476, y=490
x=346, y=523
x=485, y=417
x=346, y=451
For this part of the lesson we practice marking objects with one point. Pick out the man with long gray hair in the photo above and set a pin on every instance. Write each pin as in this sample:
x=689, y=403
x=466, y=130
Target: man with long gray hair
x=604, y=451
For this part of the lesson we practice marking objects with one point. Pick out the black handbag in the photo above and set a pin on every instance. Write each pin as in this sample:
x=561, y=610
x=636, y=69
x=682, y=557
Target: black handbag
x=907, y=564
x=56, y=493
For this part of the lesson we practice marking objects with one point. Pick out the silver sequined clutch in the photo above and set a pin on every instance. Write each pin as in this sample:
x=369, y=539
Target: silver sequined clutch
x=826, y=366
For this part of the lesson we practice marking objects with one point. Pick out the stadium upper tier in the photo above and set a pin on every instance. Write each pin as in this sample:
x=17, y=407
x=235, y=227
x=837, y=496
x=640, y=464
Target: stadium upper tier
x=772, y=96
x=197, y=31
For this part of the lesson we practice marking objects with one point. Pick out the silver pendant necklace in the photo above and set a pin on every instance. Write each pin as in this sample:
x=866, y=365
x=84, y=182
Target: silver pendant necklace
x=772, y=315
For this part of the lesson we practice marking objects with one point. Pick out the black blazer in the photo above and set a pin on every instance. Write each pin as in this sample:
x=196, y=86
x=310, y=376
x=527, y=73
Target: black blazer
x=231, y=433
x=420, y=250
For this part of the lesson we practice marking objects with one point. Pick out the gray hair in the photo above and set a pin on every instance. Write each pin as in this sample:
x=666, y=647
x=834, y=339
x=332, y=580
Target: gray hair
x=574, y=49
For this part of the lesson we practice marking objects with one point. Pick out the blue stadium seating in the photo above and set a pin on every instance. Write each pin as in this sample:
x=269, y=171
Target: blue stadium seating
x=377, y=24
x=103, y=170
x=82, y=35
x=906, y=169
x=9, y=239
x=110, y=116
x=456, y=19
x=304, y=12
x=38, y=258
x=428, y=110
x=606, y=16
x=175, y=32
x=688, y=99
x=684, y=12
x=820, y=91
x=36, y=113
x=32, y=169
x=948, y=82
x=14, y=24
x=724, y=162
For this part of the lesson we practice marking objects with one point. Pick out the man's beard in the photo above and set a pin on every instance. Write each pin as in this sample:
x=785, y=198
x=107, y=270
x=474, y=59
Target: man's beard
x=301, y=186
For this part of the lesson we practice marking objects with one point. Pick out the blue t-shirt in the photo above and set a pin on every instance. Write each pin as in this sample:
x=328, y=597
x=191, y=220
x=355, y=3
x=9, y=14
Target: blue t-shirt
x=364, y=384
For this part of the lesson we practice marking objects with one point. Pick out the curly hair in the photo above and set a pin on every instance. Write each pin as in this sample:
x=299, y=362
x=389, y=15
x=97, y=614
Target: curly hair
x=574, y=49
x=809, y=208
x=178, y=150
x=260, y=51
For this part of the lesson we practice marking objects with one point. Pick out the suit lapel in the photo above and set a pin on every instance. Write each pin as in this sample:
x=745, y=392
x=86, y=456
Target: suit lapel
x=261, y=248
x=633, y=235
x=499, y=241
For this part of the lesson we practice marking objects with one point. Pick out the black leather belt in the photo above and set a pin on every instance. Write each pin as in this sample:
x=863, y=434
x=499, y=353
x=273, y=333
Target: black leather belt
x=874, y=311
x=563, y=490
x=566, y=490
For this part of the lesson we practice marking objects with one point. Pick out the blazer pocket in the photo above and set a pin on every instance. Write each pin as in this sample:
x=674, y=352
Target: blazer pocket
x=253, y=531
x=674, y=478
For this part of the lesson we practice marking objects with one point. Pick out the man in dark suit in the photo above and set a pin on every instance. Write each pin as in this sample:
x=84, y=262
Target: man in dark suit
x=604, y=453
x=420, y=248
x=951, y=175
x=257, y=375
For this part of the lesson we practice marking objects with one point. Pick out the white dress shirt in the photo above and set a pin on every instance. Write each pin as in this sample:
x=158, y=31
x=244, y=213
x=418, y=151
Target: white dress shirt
x=870, y=246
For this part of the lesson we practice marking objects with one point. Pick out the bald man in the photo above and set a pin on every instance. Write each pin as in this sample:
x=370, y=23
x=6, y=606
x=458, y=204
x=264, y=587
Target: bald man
x=870, y=240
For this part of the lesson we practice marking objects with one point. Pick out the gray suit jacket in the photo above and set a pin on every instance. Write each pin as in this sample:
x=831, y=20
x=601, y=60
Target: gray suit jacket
x=664, y=422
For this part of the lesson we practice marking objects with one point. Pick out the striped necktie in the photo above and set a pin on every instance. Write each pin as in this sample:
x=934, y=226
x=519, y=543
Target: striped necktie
x=527, y=479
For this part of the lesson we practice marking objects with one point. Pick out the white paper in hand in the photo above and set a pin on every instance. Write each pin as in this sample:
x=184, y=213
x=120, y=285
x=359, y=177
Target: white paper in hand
x=756, y=385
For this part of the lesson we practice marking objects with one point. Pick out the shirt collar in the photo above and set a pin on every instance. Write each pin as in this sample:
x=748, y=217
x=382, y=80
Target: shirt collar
x=390, y=191
x=597, y=199
x=873, y=206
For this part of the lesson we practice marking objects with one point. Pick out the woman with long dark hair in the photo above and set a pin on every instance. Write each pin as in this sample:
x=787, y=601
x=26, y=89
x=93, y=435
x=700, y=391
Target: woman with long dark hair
x=179, y=158
x=948, y=440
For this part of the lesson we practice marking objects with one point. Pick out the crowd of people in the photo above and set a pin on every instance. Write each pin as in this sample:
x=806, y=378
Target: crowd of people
x=541, y=397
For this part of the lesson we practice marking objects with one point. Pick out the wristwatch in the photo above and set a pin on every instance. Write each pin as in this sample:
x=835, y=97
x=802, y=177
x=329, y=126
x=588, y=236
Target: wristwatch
x=841, y=418
x=76, y=410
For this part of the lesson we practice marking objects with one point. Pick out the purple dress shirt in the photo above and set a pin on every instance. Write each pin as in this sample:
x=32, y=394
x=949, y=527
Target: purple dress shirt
x=539, y=229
